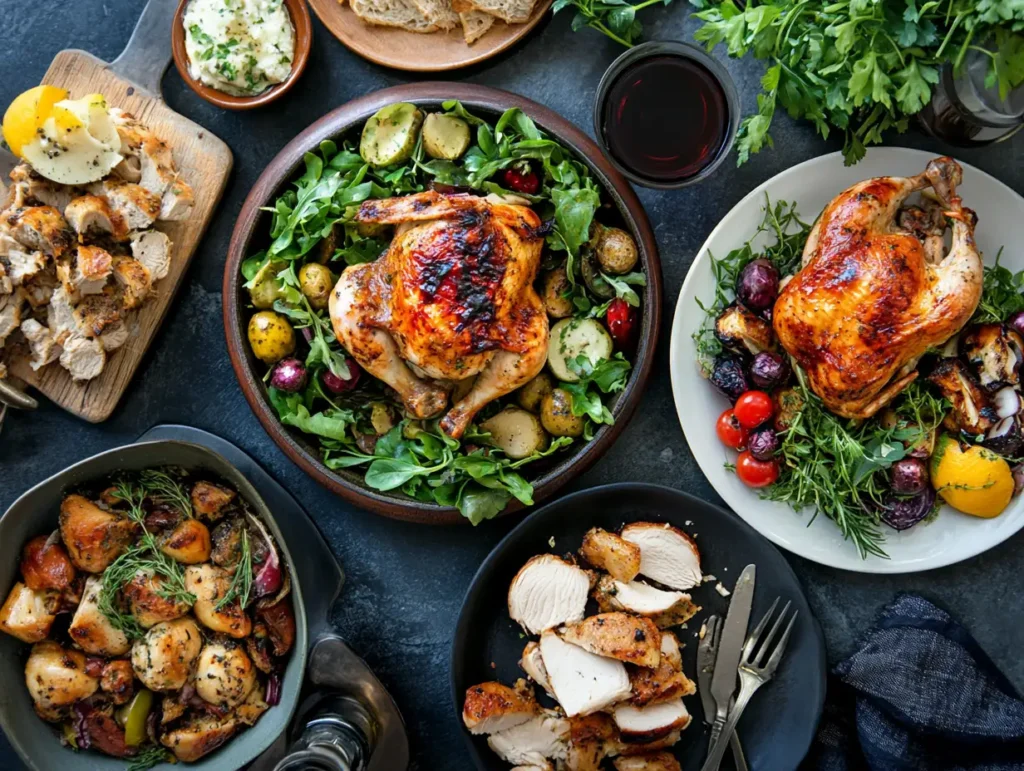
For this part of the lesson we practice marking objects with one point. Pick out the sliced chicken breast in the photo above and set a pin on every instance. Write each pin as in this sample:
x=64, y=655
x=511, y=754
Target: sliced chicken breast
x=43, y=229
x=492, y=707
x=137, y=207
x=83, y=358
x=24, y=265
x=153, y=249
x=665, y=682
x=115, y=335
x=658, y=761
x=667, y=554
x=532, y=663
x=547, y=592
x=665, y=609
x=90, y=215
x=10, y=314
x=607, y=551
x=533, y=743
x=582, y=682
x=41, y=344
x=545, y=767
x=592, y=738
x=650, y=723
x=621, y=636
x=670, y=652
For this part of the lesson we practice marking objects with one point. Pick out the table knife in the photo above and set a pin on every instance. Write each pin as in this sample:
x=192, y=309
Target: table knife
x=730, y=647
x=707, y=651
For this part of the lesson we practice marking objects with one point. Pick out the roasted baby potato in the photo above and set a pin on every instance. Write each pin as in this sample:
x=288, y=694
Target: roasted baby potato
x=147, y=604
x=389, y=136
x=530, y=395
x=210, y=584
x=445, y=136
x=271, y=336
x=91, y=630
x=316, y=282
x=163, y=659
x=607, y=551
x=56, y=679
x=265, y=287
x=517, y=433
x=28, y=614
x=615, y=250
x=554, y=286
x=556, y=414
x=94, y=537
x=46, y=565
x=209, y=499
x=188, y=542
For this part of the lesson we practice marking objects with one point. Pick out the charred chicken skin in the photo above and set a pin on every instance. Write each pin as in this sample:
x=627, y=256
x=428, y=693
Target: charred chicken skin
x=451, y=299
x=868, y=301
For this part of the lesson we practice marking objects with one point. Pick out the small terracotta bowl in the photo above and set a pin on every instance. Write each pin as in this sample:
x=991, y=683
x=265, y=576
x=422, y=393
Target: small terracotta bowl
x=303, y=42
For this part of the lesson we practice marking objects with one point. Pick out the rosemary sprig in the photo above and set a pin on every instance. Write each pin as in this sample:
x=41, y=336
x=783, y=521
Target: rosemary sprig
x=163, y=488
x=241, y=583
x=150, y=757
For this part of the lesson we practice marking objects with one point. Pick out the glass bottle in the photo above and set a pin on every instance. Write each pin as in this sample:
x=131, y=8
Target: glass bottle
x=966, y=113
x=340, y=735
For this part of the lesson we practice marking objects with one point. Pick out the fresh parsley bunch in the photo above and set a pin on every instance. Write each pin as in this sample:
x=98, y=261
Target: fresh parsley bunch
x=862, y=67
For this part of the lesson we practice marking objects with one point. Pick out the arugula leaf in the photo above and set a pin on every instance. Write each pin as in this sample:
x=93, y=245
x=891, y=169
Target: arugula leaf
x=606, y=375
x=623, y=286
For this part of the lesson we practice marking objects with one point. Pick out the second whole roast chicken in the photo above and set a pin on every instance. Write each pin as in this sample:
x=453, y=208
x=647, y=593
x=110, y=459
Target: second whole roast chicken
x=873, y=295
x=451, y=299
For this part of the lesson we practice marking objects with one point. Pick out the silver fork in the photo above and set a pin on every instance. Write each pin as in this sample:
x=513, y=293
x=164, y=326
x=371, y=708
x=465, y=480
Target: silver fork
x=707, y=653
x=761, y=656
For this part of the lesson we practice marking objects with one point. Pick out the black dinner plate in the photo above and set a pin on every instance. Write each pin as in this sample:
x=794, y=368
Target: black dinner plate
x=780, y=721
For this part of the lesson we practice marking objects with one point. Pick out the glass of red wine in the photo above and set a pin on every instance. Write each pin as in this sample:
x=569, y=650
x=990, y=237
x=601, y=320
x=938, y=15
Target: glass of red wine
x=667, y=114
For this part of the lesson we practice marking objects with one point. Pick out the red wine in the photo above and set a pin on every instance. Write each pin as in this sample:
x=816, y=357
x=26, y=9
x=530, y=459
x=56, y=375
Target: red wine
x=665, y=118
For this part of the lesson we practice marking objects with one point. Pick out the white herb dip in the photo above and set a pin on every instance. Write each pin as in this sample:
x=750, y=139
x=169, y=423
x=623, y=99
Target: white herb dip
x=240, y=47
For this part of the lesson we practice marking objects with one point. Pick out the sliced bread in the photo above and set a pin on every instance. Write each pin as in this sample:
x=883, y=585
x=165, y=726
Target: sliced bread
x=512, y=11
x=438, y=12
x=392, y=13
x=475, y=24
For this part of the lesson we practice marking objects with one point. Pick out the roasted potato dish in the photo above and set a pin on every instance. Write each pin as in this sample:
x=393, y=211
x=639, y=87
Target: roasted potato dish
x=172, y=646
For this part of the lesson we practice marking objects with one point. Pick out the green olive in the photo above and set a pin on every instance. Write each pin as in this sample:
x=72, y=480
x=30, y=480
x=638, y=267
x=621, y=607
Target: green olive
x=271, y=337
x=556, y=414
x=554, y=287
x=530, y=395
x=616, y=251
x=316, y=282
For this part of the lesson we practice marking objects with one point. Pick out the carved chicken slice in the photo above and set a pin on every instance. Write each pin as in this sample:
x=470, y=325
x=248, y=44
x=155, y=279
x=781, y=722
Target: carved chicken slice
x=452, y=298
x=868, y=303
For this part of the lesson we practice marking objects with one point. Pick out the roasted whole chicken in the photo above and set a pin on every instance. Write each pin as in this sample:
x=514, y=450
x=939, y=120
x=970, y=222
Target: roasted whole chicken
x=873, y=295
x=451, y=299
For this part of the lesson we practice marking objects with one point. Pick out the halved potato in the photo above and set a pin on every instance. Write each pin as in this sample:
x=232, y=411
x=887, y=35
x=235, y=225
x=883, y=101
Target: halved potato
x=516, y=432
x=389, y=136
x=445, y=136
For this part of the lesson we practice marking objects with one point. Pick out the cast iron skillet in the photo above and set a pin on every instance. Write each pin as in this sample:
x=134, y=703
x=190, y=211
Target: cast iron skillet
x=780, y=722
x=252, y=233
x=35, y=513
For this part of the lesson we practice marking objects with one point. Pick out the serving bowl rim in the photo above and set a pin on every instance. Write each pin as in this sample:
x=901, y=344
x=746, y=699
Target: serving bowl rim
x=281, y=171
x=301, y=22
x=296, y=664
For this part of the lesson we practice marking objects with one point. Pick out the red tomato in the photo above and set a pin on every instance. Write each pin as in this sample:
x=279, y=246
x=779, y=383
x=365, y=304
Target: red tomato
x=621, y=318
x=730, y=432
x=756, y=473
x=521, y=180
x=753, y=408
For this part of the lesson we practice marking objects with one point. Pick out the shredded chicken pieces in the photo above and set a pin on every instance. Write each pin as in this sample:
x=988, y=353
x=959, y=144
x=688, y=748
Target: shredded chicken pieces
x=76, y=263
x=616, y=677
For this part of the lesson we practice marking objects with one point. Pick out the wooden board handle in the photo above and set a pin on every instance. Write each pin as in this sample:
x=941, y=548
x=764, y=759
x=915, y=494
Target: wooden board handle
x=144, y=60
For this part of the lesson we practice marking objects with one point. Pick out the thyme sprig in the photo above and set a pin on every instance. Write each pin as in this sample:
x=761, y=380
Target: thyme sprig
x=163, y=488
x=241, y=583
x=149, y=757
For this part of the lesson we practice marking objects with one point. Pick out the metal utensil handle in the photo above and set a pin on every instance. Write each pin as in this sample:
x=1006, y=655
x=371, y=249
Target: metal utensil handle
x=748, y=687
x=15, y=397
x=738, y=756
x=148, y=53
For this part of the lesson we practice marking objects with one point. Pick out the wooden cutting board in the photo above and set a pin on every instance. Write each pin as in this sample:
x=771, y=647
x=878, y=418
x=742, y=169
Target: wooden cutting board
x=132, y=82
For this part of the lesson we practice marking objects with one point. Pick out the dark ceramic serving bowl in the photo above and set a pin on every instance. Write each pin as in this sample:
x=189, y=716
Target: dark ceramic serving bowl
x=252, y=233
x=35, y=513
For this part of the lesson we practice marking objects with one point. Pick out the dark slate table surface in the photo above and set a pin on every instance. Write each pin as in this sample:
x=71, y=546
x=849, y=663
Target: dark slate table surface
x=405, y=582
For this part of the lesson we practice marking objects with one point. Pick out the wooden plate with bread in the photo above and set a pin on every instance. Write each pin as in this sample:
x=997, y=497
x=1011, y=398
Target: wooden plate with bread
x=429, y=35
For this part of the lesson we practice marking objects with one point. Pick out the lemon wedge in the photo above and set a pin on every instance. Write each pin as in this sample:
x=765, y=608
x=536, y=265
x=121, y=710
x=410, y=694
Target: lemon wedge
x=975, y=481
x=27, y=113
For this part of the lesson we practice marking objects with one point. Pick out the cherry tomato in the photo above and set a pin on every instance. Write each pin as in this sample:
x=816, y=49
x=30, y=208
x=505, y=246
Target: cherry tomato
x=621, y=318
x=730, y=432
x=756, y=473
x=521, y=179
x=753, y=408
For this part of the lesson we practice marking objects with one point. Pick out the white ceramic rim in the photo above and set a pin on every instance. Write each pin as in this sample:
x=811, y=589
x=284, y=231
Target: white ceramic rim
x=775, y=520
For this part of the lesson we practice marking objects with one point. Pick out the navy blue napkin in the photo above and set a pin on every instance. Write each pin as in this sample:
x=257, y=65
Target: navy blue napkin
x=919, y=695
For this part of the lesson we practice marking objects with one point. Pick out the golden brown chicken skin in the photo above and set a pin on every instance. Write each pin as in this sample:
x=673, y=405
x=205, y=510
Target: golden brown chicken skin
x=868, y=303
x=452, y=298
